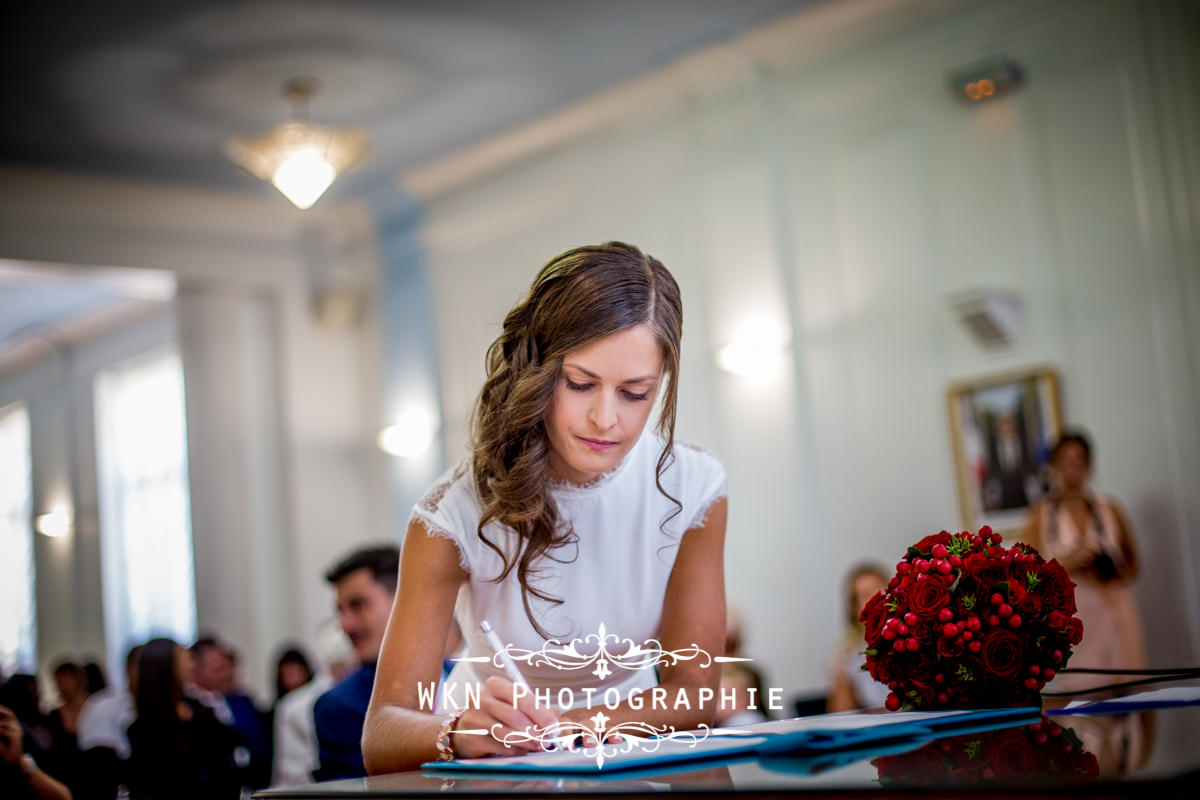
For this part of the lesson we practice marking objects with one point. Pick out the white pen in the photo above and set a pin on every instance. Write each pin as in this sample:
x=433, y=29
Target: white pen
x=510, y=666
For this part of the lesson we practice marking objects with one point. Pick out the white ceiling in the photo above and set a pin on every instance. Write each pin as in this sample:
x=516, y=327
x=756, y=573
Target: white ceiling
x=151, y=89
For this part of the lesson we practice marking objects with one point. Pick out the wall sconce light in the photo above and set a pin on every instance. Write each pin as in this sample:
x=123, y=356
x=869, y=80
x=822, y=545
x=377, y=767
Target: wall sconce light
x=410, y=435
x=986, y=80
x=301, y=159
x=756, y=352
x=55, y=523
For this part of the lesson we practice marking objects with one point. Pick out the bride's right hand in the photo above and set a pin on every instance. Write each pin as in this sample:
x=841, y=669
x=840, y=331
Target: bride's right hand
x=497, y=715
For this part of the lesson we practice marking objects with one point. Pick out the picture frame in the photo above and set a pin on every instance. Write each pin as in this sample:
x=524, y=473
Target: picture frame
x=1002, y=427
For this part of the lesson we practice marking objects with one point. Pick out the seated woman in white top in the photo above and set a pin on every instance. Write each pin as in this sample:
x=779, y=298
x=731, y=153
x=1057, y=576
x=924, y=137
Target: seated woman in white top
x=567, y=517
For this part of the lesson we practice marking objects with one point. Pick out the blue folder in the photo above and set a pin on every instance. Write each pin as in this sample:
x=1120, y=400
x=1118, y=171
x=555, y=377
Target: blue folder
x=821, y=735
x=1167, y=697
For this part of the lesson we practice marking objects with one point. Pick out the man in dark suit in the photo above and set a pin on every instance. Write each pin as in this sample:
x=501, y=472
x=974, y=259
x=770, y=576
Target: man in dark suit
x=214, y=673
x=366, y=583
x=1010, y=469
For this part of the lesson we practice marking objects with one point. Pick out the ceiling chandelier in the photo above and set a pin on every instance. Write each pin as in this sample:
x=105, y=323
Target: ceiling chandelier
x=301, y=159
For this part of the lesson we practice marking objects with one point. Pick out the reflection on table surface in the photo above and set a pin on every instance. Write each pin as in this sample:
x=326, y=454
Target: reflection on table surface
x=1064, y=752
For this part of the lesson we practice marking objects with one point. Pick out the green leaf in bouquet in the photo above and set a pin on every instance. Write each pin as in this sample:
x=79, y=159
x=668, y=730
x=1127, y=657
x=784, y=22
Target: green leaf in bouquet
x=968, y=601
x=963, y=673
x=1032, y=580
x=1001, y=587
x=959, y=545
x=913, y=553
x=973, y=748
x=958, y=573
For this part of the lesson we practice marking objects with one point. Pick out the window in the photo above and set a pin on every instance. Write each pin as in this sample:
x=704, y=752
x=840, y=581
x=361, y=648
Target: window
x=18, y=622
x=146, y=536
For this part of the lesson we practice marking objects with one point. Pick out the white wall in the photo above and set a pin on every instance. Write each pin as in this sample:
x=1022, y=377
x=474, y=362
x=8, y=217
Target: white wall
x=282, y=411
x=839, y=189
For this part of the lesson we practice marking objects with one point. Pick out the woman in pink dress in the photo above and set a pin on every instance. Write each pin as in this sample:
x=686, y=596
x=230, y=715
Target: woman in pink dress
x=1089, y=535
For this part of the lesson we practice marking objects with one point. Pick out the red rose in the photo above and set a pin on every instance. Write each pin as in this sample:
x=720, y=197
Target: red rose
x=1074, y=630
x=880, y=669
x=1001, y=653
x=1056, y=589
x=1013, y=755
x=925, y=598
x=968, y=774
x=872, y=616
x=921, y=766
x=949, y=648
x=986, y=571
x=919, y=665
x=926, y=544
x=1017, y=571
x=1030, y=606
x=1016, y=593
x=927, y=692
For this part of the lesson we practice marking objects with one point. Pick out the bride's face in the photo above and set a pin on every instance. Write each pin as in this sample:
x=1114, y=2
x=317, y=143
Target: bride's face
x=601, y=403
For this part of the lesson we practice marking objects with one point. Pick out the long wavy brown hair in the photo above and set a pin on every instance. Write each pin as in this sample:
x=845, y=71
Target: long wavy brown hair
x=581, y=296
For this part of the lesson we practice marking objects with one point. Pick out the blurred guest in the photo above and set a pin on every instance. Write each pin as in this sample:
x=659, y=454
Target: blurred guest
x=215, y=673
x=93, y=677
x=734, y=628
x=105, y=717
x=21, y=695
x=179, y=748
x=295, y=735
x=1089, y=535
x=20, y=775
x=365, y=582
x=292, y=671
x=212, y=676
x=738, y=678
x=851, y=687
x=72, y=692
x=103, y=736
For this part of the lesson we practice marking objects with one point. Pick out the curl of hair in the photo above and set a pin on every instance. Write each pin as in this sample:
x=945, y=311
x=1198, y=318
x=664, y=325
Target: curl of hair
x=579, y=297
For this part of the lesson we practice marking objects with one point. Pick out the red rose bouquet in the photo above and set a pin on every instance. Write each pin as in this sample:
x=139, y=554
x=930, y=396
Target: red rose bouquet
x=966, y=623
x=1032, y=753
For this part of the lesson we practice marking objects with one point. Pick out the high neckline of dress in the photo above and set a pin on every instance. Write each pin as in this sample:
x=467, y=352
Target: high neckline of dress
x=565, y=488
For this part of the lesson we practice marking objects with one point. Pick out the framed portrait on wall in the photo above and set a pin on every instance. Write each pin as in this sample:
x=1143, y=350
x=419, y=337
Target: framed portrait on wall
x=1001, y=429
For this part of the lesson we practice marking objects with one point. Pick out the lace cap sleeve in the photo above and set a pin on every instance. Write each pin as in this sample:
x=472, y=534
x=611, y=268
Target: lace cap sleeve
x=445, y=511
x=705, y=481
